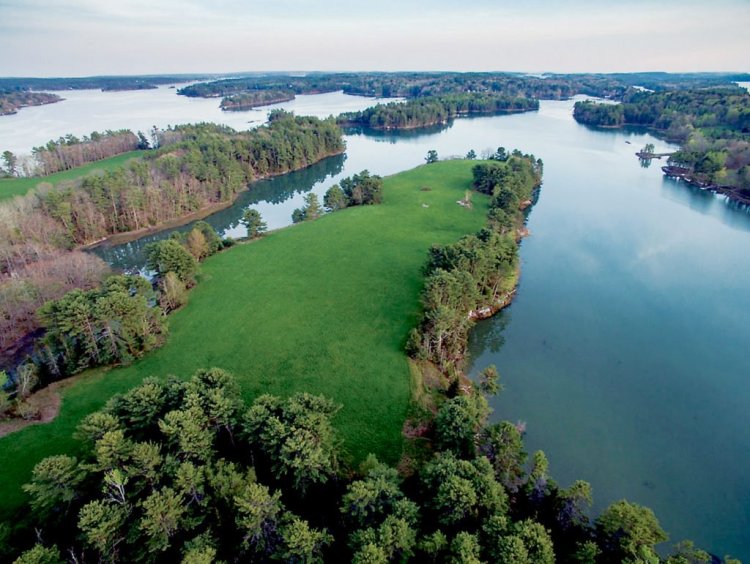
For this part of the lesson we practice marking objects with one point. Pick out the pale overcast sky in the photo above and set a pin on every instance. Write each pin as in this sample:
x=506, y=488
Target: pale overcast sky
x=90, y=37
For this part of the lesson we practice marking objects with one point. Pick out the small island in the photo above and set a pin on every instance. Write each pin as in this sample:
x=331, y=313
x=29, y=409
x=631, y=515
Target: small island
x=254, y=98
x=12, y=101
x=435, y=110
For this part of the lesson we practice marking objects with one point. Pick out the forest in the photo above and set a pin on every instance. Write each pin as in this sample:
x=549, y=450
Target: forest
x=421, y=112
x=416, y=85
x=712, y=125
x=105, y=83
x=177, y=470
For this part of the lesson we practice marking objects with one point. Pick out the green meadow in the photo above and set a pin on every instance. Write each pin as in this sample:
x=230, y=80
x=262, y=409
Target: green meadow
x=10, y=187
x=323, y=306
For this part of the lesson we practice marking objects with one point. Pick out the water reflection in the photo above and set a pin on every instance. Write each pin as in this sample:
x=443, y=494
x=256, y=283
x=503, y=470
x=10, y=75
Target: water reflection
x=729, y=212
x=489, y=336
x=274, y=191
x=281, y=188
x=394, y=136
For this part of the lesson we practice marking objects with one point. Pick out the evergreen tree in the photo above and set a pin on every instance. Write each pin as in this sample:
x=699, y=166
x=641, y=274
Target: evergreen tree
x=255, y=225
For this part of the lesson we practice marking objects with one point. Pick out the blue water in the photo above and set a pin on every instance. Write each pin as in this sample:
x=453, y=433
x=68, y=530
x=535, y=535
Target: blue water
x=626, y=350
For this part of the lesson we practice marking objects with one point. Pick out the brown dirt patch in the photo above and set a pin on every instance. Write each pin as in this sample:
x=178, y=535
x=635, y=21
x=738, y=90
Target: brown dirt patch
x=46, y=401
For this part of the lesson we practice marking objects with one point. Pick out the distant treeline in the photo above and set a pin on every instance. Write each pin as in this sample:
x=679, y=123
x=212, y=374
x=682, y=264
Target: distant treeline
x=254, y=98
x=94, y=82
x=713, y=126
x=660, y=81
x=422, y=84
x=415, y=85
x=478, y=271
x=13, y=100
x=421, y=112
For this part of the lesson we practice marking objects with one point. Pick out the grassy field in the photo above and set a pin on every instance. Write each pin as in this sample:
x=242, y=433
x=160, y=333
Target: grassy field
x=10, y=187
x=323, y=306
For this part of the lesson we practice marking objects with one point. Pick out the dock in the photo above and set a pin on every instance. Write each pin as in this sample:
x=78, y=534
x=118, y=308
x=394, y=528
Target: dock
x=647, y=156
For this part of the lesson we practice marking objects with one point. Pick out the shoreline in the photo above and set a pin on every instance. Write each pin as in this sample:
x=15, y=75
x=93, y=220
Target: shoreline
x=205, y=211
x=428, y=381
x=731, y=192
x=502, y=300
x=249, y=107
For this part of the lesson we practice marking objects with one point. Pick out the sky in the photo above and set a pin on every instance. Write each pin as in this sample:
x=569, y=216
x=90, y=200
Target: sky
x=108, y=37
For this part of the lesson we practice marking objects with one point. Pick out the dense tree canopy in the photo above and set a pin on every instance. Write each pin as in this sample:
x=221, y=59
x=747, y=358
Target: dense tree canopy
x=116, y=322
x=185, y=471
x=423, y=84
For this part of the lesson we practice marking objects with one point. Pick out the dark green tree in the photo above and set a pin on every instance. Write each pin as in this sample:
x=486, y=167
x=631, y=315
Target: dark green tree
x=11, y=161
x=335, y=199
x=488, y=381
x=363, y=189
x=296, y=437
x=298, y=215
x=629, y=532
x=458, y=422
x=501, y=443
x=40, y=554
x=460, y=492
x=54, y=484
x=301, y=543
x=255, y=225
x=169, y=256
x=465, y=549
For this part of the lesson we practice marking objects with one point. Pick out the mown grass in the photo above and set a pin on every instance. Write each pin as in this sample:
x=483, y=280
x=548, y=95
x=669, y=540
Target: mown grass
x=11, y=187
x=325, y=307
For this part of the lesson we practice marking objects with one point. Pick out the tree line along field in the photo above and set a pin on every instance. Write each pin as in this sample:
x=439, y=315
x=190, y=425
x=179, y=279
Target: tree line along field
x=11, y=187
x=323, y=307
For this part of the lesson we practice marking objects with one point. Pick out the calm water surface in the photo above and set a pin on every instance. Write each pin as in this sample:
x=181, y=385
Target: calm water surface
x=625, y=351
x=84, y=111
